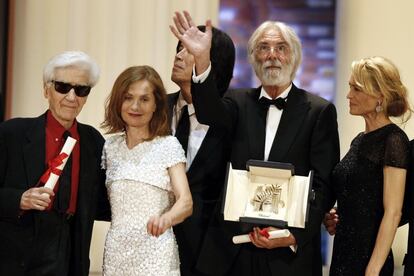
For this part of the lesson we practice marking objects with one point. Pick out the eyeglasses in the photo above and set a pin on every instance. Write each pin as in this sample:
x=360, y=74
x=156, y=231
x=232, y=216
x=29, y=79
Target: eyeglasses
x=265, y=49
x=64, y=88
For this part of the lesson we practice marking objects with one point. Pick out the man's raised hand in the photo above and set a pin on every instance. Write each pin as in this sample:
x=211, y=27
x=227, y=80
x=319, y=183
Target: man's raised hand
x=196, y=42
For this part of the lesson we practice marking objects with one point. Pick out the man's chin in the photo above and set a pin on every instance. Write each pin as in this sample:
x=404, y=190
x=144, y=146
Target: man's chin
x=275, y=80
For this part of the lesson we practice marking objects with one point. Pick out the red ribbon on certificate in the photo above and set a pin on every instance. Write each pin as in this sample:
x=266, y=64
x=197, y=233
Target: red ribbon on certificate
x=53, y=167
x=274, y=234
x=264, y=232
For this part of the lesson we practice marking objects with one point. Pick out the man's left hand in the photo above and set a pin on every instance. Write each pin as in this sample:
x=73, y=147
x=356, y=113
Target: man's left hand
x=259, y=238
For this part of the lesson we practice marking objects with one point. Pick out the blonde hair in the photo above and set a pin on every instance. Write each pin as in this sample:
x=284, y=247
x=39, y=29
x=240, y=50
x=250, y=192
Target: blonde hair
x=378, y=76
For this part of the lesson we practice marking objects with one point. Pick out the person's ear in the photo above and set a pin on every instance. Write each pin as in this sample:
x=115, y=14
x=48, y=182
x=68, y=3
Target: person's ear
x=46, y=91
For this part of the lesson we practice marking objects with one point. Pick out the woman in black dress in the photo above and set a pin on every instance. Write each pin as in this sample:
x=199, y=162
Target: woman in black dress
x=369, y=181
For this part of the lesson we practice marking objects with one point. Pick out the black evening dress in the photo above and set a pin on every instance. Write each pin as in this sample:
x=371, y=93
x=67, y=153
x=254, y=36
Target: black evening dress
x=358, y=187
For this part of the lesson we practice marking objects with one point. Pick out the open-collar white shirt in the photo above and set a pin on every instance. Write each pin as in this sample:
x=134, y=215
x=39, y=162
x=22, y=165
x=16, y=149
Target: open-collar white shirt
x=273, y=114
x=197, y=131
x=272, y=120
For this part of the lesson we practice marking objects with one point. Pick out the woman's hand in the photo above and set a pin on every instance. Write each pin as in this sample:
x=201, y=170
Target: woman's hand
x=157, y=225
x=182, y=208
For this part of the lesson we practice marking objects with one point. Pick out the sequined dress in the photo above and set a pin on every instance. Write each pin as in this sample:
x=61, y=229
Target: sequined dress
x=358, y=185
x=139, y=187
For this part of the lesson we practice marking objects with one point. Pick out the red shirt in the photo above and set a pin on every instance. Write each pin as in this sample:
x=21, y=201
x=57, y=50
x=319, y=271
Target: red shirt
x=54, y=144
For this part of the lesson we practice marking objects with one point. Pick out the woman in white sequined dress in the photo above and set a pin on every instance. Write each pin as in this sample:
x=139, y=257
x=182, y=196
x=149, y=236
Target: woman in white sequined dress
x=145, y=178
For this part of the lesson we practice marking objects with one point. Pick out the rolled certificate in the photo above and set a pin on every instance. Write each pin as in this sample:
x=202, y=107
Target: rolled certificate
x=272, y=235
x=67, y=150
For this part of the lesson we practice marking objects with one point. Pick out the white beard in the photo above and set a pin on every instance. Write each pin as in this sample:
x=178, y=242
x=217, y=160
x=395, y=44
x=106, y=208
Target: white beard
x=273, y=76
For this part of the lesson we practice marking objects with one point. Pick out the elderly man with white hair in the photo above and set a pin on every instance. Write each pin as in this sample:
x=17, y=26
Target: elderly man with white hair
x=276, y=122
x=45, y=231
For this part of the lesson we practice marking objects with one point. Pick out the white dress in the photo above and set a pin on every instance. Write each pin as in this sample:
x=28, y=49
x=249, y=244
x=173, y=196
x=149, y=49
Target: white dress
x=139, y=187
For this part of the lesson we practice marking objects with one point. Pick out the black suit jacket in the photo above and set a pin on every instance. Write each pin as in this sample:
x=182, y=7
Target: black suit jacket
x=22, y=162
x=307, y=137
x=409, y=198
x=205, y=177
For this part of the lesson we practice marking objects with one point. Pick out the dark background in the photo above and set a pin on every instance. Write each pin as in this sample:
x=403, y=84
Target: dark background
x=4, y=9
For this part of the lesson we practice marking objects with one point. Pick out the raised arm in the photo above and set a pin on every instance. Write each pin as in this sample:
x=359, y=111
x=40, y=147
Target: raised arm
x=209, y=106
x=196, y=42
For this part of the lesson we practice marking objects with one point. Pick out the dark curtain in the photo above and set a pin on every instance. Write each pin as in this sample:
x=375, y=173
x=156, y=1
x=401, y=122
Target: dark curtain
x=4, y=14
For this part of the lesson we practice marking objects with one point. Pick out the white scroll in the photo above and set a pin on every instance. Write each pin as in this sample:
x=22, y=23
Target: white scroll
x=67, y=149
x=272, y=235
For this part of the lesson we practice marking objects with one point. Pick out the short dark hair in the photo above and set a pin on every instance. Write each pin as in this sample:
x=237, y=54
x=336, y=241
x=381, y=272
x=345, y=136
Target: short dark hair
x=113, y=122
x=222, y=56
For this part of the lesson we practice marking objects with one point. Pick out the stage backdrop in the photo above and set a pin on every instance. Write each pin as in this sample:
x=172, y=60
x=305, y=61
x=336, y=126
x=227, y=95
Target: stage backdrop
x=120, y=33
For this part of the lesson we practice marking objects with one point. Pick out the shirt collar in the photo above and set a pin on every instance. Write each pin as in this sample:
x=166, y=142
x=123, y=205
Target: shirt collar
x=181, y=103
x=284, y=94
x=56, y=127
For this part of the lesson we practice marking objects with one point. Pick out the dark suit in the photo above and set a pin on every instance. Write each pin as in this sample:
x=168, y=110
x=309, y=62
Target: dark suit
x=22, y=162
x=409, y=209
x=205, y=177
x=307, y=137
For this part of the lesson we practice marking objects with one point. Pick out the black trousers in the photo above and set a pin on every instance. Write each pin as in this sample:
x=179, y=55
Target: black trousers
x=250, y=261
x=51, y=249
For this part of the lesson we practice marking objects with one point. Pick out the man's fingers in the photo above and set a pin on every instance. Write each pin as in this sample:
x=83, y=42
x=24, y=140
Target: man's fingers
x=189, y=19
x=178, y=25
x=175, y=32
x=44, y=197
x=46, y=190
x=183, y=21
x=41, y=203
x=260, y=240
x=253, y=238
x=329, y=223
x=209, y=28
x=40, y=207
x=331, y=231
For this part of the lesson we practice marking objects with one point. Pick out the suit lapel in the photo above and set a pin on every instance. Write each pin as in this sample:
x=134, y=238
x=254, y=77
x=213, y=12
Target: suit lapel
x=172, y=101
x=291, y=121
x=34, y=150
x=85, y=162
x=208, y=145
x=256, y=126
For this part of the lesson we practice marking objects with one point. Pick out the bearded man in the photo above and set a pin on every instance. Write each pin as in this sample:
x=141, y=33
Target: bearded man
x=276, y=122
